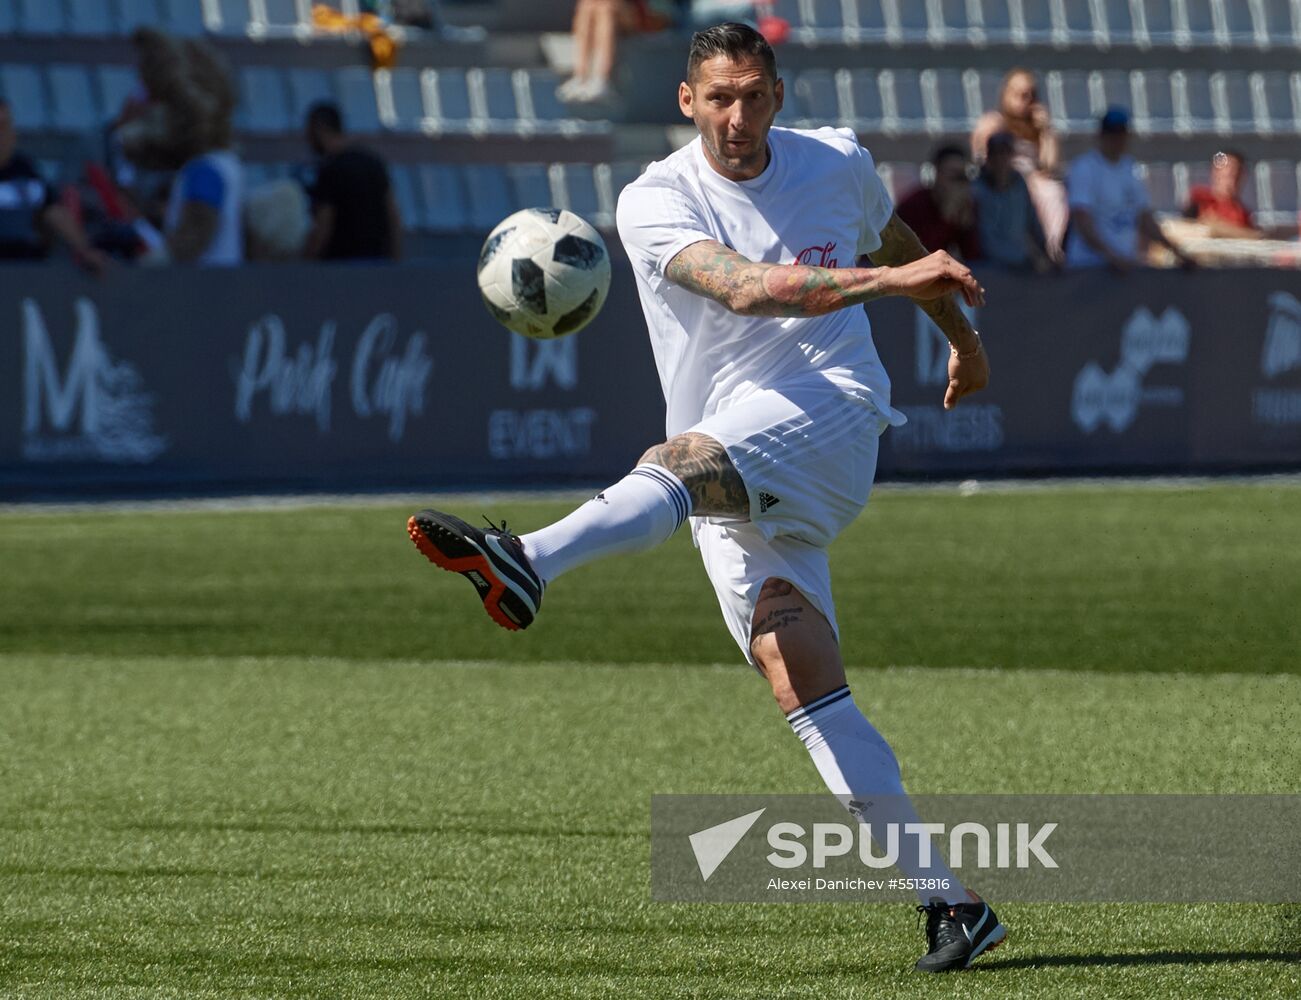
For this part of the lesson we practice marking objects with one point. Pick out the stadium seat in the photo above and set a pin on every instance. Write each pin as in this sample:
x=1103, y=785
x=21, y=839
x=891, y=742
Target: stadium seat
x=1074, y=25
x=1117, y=23
x=116, y=84
x=490, y=195
x=89, y=17
x=22, y=87
x=826, y=20
x=988, y=84
x=444, y=195
x=790, y=12
x=72, y=101
x=281, y=17
x=548, y=111
x=945, y=99
x=1277, y=185
x=306, y=87
x=866, y=20
x=227, y=17
x=1037, y=27
x=576, y=186
x=1000, y=27
x=1110, y=88
x=606, y=196
x=355, y=92
x=1234, y=103
x=1195, y=24
x=181, y=17
x=1244, y=24
x=403, y=99
x=495, y=89
x=912, y=25
x=951, y=24
x=8, y=20
x=623, y=173
x=407, y=196
x=448, y=99
x=1069, y=100
x=1154, y=108
x=1157, y=20
x=1160, y=182
x=901, y=92
x=1282, y=22
x=1198, y=111
x=531, y=185
x=815, y=99
x=40, y=17
x=132, y=14
x=264, y=104
x=867, y=108
x=1278, y=101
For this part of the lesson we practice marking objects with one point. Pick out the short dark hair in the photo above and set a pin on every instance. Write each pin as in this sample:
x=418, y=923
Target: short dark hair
x=732, y=40
x=325, y=114
x=944, y=152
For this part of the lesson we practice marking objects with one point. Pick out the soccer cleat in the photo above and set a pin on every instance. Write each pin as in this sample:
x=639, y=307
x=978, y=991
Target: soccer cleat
x=957, y=933
x=492, y=559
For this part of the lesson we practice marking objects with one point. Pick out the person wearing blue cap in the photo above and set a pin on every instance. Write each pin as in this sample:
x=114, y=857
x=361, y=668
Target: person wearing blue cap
x=1109, y=203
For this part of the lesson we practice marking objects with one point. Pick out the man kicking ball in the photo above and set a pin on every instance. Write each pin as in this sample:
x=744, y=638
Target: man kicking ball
x=744, y=244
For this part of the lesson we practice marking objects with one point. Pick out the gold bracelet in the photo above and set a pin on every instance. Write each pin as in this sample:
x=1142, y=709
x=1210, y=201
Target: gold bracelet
x=970, y=354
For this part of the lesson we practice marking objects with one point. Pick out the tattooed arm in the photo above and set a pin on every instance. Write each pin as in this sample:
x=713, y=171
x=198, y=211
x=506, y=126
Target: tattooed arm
x=900, y=245
x=751, y=289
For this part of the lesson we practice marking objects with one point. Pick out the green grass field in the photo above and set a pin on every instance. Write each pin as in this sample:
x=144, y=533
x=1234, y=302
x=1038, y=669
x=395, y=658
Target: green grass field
x=276, y=754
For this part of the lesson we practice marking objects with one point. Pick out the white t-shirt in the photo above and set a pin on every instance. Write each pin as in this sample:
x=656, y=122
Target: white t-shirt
x=1115, y=196
x=819, y=202
x=214, y=179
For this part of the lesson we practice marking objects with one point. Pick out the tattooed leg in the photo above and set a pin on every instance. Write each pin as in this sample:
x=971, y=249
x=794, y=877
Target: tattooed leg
x=706, y=471
x=794, y=646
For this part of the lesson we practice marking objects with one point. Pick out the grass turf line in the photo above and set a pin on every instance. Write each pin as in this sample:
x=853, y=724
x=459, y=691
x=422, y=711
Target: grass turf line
x=181, y=821
x=1202, y=579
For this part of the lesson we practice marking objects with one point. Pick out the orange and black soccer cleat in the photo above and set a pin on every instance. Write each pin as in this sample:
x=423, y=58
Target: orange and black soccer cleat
x=492, y=559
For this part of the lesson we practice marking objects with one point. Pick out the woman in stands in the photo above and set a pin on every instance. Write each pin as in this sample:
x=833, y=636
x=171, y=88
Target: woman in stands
x=1036, y=152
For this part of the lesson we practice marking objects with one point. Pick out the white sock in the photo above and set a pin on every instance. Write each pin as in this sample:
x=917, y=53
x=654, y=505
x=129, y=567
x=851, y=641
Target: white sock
x=638, y=512
x=858, y=765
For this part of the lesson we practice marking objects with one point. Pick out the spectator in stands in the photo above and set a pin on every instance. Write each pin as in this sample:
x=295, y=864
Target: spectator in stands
x=596, y=29
x=30, y=213
x=203, y=224
x=1036, y=155
x=354, y=213
x=1218, y=205
x=1009, y=229
x=1109, y=204
x=944, y=215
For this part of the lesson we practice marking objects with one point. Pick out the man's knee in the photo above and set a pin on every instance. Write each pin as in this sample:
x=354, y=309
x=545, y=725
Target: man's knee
x=794, y=645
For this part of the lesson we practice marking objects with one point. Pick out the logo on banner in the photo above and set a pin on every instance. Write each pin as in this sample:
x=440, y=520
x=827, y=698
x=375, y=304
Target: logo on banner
x=1281, y=354
x=385, y=379
x=95, y=409
x=1114, y=398
x=536, y=365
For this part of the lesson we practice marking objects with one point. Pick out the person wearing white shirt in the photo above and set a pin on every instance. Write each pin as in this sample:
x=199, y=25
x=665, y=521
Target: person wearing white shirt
x=1109, y=203
x=745, y=245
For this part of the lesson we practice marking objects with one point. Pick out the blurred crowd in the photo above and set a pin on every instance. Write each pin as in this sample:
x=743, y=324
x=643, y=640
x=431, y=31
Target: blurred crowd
x=163, y=183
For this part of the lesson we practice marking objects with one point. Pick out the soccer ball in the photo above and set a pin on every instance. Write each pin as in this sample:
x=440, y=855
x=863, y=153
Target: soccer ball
x=544, y=272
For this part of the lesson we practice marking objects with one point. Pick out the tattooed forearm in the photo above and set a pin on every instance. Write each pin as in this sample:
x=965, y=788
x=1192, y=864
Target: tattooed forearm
x=899, y=246
x=706, y=471
x=711, y=269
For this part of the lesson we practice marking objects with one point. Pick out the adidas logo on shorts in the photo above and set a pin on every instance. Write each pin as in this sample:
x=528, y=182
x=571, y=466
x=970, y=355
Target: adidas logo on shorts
x=767, y=500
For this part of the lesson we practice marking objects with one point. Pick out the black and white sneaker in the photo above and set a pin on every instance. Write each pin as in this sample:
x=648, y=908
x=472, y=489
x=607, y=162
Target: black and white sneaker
x=958, y=933
x=492, y=559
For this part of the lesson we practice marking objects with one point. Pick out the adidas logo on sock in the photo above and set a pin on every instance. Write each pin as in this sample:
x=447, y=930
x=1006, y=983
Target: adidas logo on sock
x=600, y=496
x=767, y=500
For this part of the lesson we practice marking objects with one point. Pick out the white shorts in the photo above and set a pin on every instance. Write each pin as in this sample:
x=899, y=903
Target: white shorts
x=807, y=455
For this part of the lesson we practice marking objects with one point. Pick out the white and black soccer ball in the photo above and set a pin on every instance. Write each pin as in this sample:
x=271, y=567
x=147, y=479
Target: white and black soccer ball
x=544, y=272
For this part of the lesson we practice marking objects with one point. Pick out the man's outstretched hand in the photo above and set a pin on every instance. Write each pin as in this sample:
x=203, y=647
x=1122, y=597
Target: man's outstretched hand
x=968, y=372
x=935, y=276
